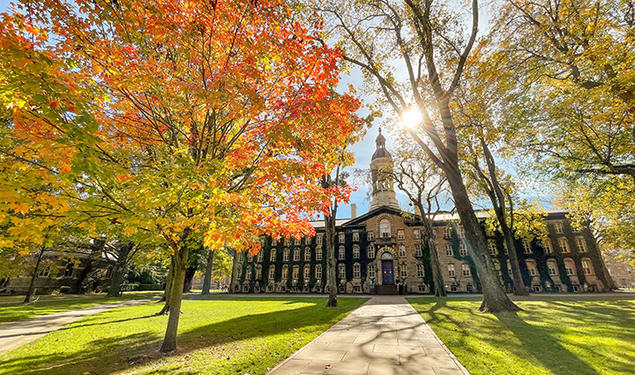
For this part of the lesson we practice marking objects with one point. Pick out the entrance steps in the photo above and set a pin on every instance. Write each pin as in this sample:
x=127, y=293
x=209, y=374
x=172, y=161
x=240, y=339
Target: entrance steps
x=387, y=289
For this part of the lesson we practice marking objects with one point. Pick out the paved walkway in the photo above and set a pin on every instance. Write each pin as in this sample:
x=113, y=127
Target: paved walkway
x=16, y=334
x=384, y=336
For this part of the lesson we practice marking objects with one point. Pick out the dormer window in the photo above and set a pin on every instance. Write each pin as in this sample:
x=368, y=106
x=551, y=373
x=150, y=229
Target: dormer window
x=384, y=228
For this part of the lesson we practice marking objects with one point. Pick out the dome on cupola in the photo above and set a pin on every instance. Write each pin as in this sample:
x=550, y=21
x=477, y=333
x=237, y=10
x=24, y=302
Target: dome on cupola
x=381, y=151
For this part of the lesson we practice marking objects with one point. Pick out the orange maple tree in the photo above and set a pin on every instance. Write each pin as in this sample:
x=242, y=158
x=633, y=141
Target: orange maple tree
x=187, y=120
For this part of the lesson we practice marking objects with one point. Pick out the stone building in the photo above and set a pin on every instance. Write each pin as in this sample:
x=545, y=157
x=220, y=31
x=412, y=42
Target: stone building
x=385, y=246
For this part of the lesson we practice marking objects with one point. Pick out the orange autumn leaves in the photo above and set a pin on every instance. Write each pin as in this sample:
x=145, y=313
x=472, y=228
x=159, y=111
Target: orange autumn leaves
x=208, y=119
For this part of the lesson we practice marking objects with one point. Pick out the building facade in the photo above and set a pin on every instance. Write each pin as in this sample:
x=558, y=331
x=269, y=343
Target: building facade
x=385, y=246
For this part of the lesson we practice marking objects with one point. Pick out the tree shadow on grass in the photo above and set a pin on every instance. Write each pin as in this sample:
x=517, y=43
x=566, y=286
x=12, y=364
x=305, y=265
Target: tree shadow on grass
x=123, y=352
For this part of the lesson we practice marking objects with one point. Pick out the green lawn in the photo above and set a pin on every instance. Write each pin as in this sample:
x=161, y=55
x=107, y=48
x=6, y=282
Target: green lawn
x=216, y=336
x=553, y=335
x=12, y=309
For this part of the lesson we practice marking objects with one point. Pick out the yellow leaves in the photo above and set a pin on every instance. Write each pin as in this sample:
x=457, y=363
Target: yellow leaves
x=21, y=208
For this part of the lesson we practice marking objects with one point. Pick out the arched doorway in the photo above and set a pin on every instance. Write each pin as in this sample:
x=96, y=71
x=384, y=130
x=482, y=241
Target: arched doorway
x=387, y=269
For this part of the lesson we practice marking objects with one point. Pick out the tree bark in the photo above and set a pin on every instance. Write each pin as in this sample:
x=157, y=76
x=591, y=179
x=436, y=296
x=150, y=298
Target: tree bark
x=119, y=271
x=437, y=276
x=494, y=297
x=168, y=289
x=207, y=280
x=519, y=285
x=189, y=277
x=181, y=253
x=36, y=269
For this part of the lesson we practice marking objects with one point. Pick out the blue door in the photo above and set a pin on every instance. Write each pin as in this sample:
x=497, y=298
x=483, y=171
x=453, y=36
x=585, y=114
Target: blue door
x=387, y=273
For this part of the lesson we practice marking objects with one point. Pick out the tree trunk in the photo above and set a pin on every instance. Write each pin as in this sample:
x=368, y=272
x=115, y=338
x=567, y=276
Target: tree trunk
x=189, y=277
x=36, y=269
x=181, y=253
x=207, y=280
x=437, y=276
x=119, y=271
x=330, y=260
x=168, y=289
x=494, y=297
x=519, y=286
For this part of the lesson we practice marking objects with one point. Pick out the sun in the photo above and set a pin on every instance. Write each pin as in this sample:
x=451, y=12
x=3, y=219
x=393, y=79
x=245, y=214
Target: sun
x=411, y=118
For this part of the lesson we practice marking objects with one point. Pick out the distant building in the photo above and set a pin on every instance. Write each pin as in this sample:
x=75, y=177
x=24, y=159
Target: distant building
x=620, y=270
x=385, y=245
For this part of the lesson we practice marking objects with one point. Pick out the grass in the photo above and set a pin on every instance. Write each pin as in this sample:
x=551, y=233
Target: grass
x=12, y=309
x=552, y=335
x=216, y=336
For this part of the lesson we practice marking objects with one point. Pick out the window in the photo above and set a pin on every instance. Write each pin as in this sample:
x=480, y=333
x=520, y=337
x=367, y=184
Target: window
x=258, y=272
x=296, y=273
x=297, y=241
x=548, y=246
x=318, y=253
x=307, y=273
x=552, y=267
x=250, y=258
x=318, y=239
x=287, y=241
x=272, y=273
x=420, y=272
x=340, y=237
x=296, y=255
x=449, y=251
x=466, y=270
x=557, y=227
x=341, y=271
x=527, y=247
x=370, y=236
x=401, y=235
x=356, y=251
x=531, y=267
x=587, y=267
x=564, y=245
x=355, y=236
x=418, y=251
x=285, y=255
x=417, y=234
x=318, y=272
x=272, y=255
x=274, y=242
x=402, y=250
x=285, y=272
x=341, y=252
x=384, y=228
x=403, y=271
x=461, y=231
x=462, y=249
x=491, y=245
x=371, y=251
x=448, y=232
x=451, y=270
x=569, y=266
x=261, y=255
x=580, y=244
x=307, y=254
x=371, y=271
x=248, y=273
x=357, y=273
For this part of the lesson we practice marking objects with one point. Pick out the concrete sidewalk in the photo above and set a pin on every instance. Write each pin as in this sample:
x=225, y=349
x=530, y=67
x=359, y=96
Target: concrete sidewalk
x=384, y=336
x=16, y=334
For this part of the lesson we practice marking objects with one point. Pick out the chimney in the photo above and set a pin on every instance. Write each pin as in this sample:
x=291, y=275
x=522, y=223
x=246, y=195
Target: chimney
x=353, y=210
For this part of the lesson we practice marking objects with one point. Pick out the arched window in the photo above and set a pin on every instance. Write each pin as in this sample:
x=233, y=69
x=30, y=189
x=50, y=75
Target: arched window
x=318, y=253
x=449, y=251
x=355, y=251
x=403, y=271
x=371, y=251
x=307, y=272
x=357, y=271
x=386, y=255
x=418, y=251
x=285, y=255
x=261, y=255
x=466, y=270
x=371, y=270
x=272, y=273
x=587, y=266
x=318, y=272
x=248, y=273
x=548, y=246
x=296, y=272
x=296, y=255
x=285, y=273
x=580, y=244
x=384, y=228
x=272, y=255
x=564, y=244
x=258, y=272
x=462, y=249
x=451, y=271
x=569, y=266
x=341, y=253
x=341, y=271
